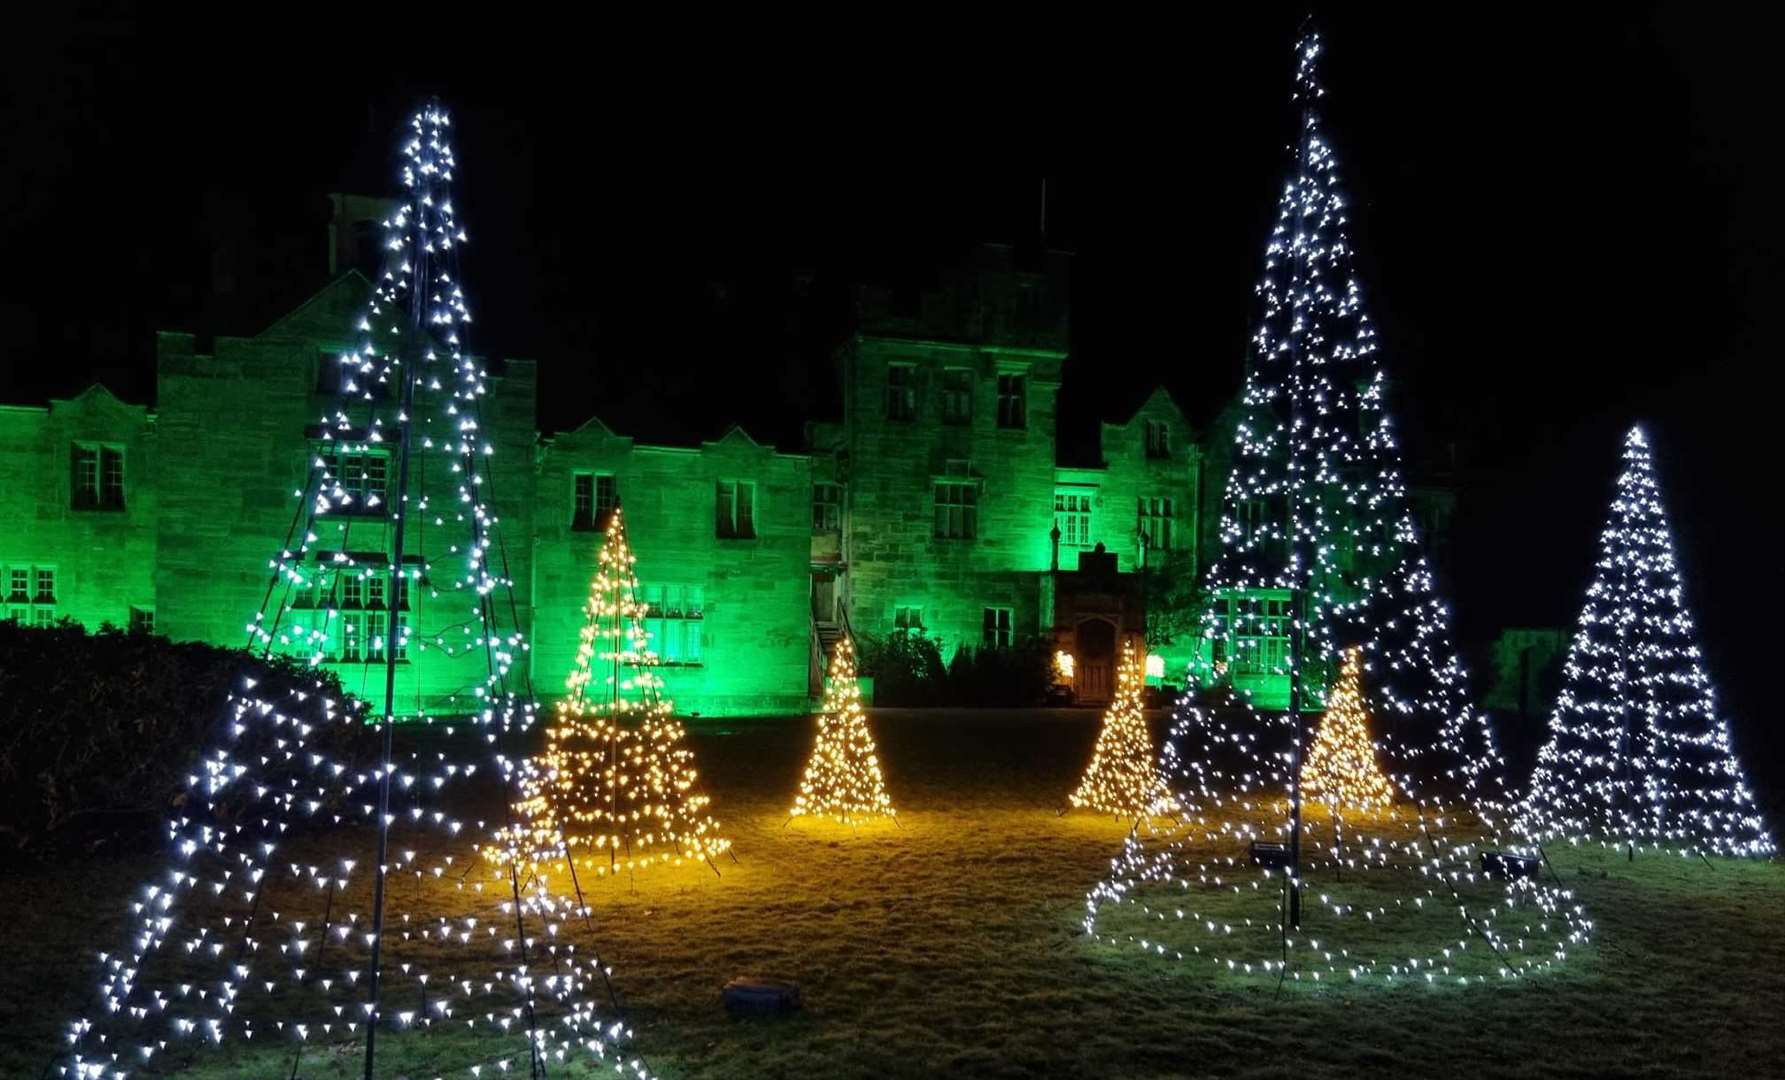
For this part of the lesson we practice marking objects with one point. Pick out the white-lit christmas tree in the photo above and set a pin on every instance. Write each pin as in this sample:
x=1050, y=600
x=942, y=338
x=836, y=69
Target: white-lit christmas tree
x=1638, y=755
x=1123, y=776
x=1317, y=528
x=1340, y=770
x=1319, y=561
x=617, y=788
x=320, y=900
x=842, y=778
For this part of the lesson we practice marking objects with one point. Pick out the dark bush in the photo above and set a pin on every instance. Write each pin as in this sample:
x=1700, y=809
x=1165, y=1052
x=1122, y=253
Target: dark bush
x=99, y=732
x=908, y=671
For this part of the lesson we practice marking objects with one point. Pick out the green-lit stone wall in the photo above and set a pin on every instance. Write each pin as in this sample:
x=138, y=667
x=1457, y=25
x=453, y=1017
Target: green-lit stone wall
x=896, y=558
x=100, y=559
x=235, y=440
x=743, y=600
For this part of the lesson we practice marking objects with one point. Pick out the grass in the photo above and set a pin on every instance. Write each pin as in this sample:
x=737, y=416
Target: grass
x=953, y=945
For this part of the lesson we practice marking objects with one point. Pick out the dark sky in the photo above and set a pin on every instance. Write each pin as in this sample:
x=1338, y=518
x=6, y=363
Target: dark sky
x=1568, y=222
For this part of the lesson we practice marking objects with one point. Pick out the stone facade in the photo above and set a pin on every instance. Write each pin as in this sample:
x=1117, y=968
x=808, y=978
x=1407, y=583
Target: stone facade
x=78, y=503
x=936, y=503
x=728, y=601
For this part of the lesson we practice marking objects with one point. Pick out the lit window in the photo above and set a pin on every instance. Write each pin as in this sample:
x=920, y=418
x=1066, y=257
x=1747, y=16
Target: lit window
x=901, y=392
x=1072, y=516
x=735, y=510
x=957, y=510
x=827, y=508
x=957, y=396
x=997, y=627
x=1013, y=401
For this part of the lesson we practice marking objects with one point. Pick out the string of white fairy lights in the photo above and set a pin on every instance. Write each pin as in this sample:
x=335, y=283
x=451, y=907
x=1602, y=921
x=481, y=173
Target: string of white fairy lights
x=1316, y=510
x=1639, y=755
x=250, y=935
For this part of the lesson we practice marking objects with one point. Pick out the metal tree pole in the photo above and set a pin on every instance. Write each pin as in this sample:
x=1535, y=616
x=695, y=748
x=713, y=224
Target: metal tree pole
x=400, y=508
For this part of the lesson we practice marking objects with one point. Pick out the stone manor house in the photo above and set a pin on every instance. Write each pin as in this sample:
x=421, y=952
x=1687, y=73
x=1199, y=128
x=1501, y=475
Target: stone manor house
x=935, y=503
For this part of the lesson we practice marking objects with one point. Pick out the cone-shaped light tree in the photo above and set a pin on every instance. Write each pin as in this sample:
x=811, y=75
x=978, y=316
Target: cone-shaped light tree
x=1123, y=777
x=1638, y=755
x=1320, y=557
x=842, y=778
x=1317, y=528
x=1340, y=769
x=616, y=788
x=314, y=903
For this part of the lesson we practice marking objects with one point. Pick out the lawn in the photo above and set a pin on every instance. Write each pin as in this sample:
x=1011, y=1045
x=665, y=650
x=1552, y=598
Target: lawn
x=954, y=945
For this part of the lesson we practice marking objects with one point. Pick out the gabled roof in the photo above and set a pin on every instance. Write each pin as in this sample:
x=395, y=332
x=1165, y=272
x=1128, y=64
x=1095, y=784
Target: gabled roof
x=1159, y=393
x=331, y=314
x=735, y=434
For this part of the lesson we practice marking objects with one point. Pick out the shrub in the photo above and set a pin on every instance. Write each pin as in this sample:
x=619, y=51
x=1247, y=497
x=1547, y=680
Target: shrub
x=908, y=671
x=99, y=732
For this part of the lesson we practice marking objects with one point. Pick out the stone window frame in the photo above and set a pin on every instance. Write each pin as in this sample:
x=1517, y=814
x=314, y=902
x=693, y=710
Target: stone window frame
x=360, y=600
x=901, y=393
x=349, y=469
x=1013, y=400
x=908, y=618
x=1158, y=515
x=591, y=509
x=957, y=507
x=22, y=595
x=1158, y=439
x=731, y=524
x=142, y=620
x=996, y=625
x=827, y=513
x=92, y=466
x=688, y=616
x=1064, y=515
x=957, y=398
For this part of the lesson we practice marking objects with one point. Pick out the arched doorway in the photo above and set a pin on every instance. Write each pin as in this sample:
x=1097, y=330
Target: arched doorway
x=1095, y=641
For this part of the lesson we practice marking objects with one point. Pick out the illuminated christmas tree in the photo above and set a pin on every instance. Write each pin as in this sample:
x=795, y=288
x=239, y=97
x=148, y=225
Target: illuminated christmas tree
x=1123, y=777
x=318, y=903
x=842, y=779
x=1320, y=565
x=1317, y=529
x=616, y=788
x=1638, y=755
x=1340, y=769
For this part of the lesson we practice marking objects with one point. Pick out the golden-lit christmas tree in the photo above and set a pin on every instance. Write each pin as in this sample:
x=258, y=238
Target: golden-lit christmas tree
x=616, y=787
x=842, y=777
x=1341, y=769
x=1123, y=777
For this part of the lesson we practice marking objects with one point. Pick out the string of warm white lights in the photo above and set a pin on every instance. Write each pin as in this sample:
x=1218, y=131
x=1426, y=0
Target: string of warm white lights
x=842, y=778
x=617, y=788
x=1319, y=551
x=1123, y=777
x=262, y=936
x=1638, y=755
x=1340, y=770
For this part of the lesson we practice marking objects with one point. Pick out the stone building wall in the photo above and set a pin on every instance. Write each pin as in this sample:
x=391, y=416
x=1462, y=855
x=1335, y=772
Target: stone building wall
x=897, y=464
x=100, y=558
x=732, y=617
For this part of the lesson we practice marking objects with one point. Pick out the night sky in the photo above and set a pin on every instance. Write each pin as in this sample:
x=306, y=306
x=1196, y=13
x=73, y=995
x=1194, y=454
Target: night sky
x=1567, y=223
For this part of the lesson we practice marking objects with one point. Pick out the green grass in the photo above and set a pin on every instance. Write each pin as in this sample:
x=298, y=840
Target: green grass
x=953, y=945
